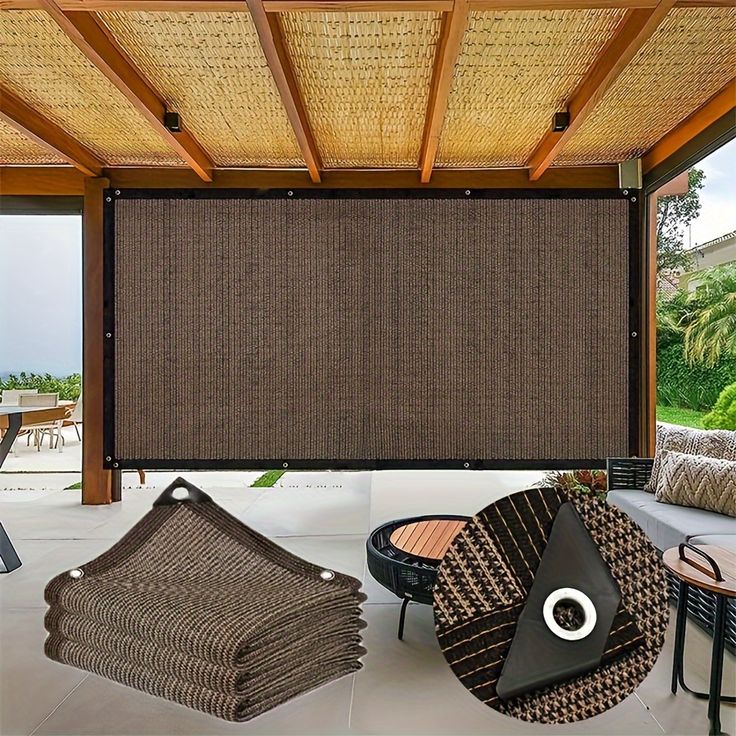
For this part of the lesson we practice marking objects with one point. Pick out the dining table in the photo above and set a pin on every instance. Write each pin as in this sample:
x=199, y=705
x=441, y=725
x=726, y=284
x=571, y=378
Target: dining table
x=12, y=418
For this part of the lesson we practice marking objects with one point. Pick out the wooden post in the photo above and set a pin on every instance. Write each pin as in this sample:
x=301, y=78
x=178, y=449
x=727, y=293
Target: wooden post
x=678, y=185
x=98, y=485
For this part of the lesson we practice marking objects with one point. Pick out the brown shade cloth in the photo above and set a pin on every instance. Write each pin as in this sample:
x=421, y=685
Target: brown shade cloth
x=483, y=584
x=370, y=329
x=193, y=606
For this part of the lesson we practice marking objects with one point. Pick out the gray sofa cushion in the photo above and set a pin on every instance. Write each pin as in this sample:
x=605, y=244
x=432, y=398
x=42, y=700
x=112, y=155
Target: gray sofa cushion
x=667, y=525
x=727, y=541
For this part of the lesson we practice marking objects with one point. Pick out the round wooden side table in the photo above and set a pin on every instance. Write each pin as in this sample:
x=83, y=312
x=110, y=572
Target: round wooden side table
x=708, y=568
x=403, y=556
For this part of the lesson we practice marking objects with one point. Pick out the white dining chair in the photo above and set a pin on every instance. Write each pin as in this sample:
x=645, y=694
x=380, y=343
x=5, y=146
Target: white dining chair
x=10, y=396
x=39, y=430
x=75, y=418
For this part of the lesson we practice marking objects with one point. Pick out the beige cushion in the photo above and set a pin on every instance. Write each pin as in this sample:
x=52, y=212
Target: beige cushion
x=717, y=443
x=695, y=480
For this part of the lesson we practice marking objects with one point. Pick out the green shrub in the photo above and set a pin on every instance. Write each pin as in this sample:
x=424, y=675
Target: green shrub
x=68, y=388
x=690, y=386
x=723, y=415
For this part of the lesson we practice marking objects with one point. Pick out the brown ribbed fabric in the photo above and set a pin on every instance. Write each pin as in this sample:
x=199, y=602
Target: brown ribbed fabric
x=483, y=583
x=193, y=606
x=365, y=329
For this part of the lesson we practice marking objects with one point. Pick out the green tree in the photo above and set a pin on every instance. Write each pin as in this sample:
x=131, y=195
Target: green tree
x=723, y=415
x=674, y=213
x=673, y=314
x=711, y=329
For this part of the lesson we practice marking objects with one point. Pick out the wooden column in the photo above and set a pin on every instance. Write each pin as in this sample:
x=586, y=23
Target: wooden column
x=98, y=485
x=678, y=185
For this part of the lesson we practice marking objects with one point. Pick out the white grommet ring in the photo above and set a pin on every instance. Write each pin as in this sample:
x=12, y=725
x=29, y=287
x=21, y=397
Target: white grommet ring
x=576, y=596
x=76, y=574
x=327, y=575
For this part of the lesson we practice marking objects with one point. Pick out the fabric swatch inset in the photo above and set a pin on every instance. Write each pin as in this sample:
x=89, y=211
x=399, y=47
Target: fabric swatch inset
x=476, y=633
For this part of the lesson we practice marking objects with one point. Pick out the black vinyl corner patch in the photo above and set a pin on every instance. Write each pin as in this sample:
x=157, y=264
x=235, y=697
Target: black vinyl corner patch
x=570, y=565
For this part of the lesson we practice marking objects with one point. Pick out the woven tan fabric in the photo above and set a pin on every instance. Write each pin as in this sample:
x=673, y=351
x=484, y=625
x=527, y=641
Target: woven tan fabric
x=371, y=329
x=718, y=443
x=695, y=480
x=483, y=583
x=193, y=606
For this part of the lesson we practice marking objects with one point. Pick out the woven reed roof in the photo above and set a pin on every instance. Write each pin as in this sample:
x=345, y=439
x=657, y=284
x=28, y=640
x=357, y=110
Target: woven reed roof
x=505, y=92
x=363, y=83
x=691, y=55
x=16, y=147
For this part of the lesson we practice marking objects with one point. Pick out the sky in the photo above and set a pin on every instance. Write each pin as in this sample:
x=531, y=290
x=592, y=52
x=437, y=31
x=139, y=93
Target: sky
x=40, y=294
x=41, y=272
x=718, y=198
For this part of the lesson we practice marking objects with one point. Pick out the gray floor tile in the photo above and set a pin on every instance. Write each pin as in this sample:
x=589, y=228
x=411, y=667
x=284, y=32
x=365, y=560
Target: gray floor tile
x=100, y=706
x=683, y=713
x=337, y=505
x=31, y=686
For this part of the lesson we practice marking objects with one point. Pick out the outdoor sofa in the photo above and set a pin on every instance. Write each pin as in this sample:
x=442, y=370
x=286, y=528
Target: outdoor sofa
x=667, y=525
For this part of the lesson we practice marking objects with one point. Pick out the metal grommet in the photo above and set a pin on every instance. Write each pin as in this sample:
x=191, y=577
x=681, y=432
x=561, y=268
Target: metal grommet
x=76, y=574
x=327, y=575
x=115, y=465
x=586, y=606
x=117, y=191
x=290, y=193
x=108, y=334
x=633, y=199
x=626, y=191
x=467, y=192
x=108, y=199
x=466, y=465
x=285, y=465
x=108, y=458
x=634, y=334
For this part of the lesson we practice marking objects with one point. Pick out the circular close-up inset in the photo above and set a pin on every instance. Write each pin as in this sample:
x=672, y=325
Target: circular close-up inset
x=551, y=606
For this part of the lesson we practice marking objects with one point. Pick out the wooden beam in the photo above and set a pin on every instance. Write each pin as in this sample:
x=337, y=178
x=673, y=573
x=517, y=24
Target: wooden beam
x=99, y=486
x=94, y=41
x=591, y=177
x=277, y=6
x=356, y=6
x=590, y=4
x=22, y=117
x=722, y=103
x=41, y=181
x=634, y=30
x=453, y=29
x=269, y=32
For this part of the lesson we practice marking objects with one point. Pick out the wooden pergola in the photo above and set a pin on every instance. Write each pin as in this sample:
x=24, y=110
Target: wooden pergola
x=355, y=94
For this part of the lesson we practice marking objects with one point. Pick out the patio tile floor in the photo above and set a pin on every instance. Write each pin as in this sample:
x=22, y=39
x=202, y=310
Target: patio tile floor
x=403, y=688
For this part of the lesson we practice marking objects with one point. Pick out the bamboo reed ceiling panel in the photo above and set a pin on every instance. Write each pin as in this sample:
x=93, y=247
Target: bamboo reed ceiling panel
x=365, y=80
x=210, y=68
x=40, y=64
x=514, y=71
x=15, y=148
x=690, y=57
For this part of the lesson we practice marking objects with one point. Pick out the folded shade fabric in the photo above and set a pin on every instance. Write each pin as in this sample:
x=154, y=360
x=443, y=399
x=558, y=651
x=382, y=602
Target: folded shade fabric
x=324, y=634
x=194, y=606
x=291, y=683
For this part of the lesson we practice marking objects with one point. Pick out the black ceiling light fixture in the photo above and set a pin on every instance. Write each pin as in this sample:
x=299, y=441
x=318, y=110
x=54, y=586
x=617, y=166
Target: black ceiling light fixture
x=560, y=121
x=172, y=121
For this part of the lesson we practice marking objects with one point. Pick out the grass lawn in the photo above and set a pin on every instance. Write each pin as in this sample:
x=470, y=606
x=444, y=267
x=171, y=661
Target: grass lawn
x=684, y=417
x=268, y=479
